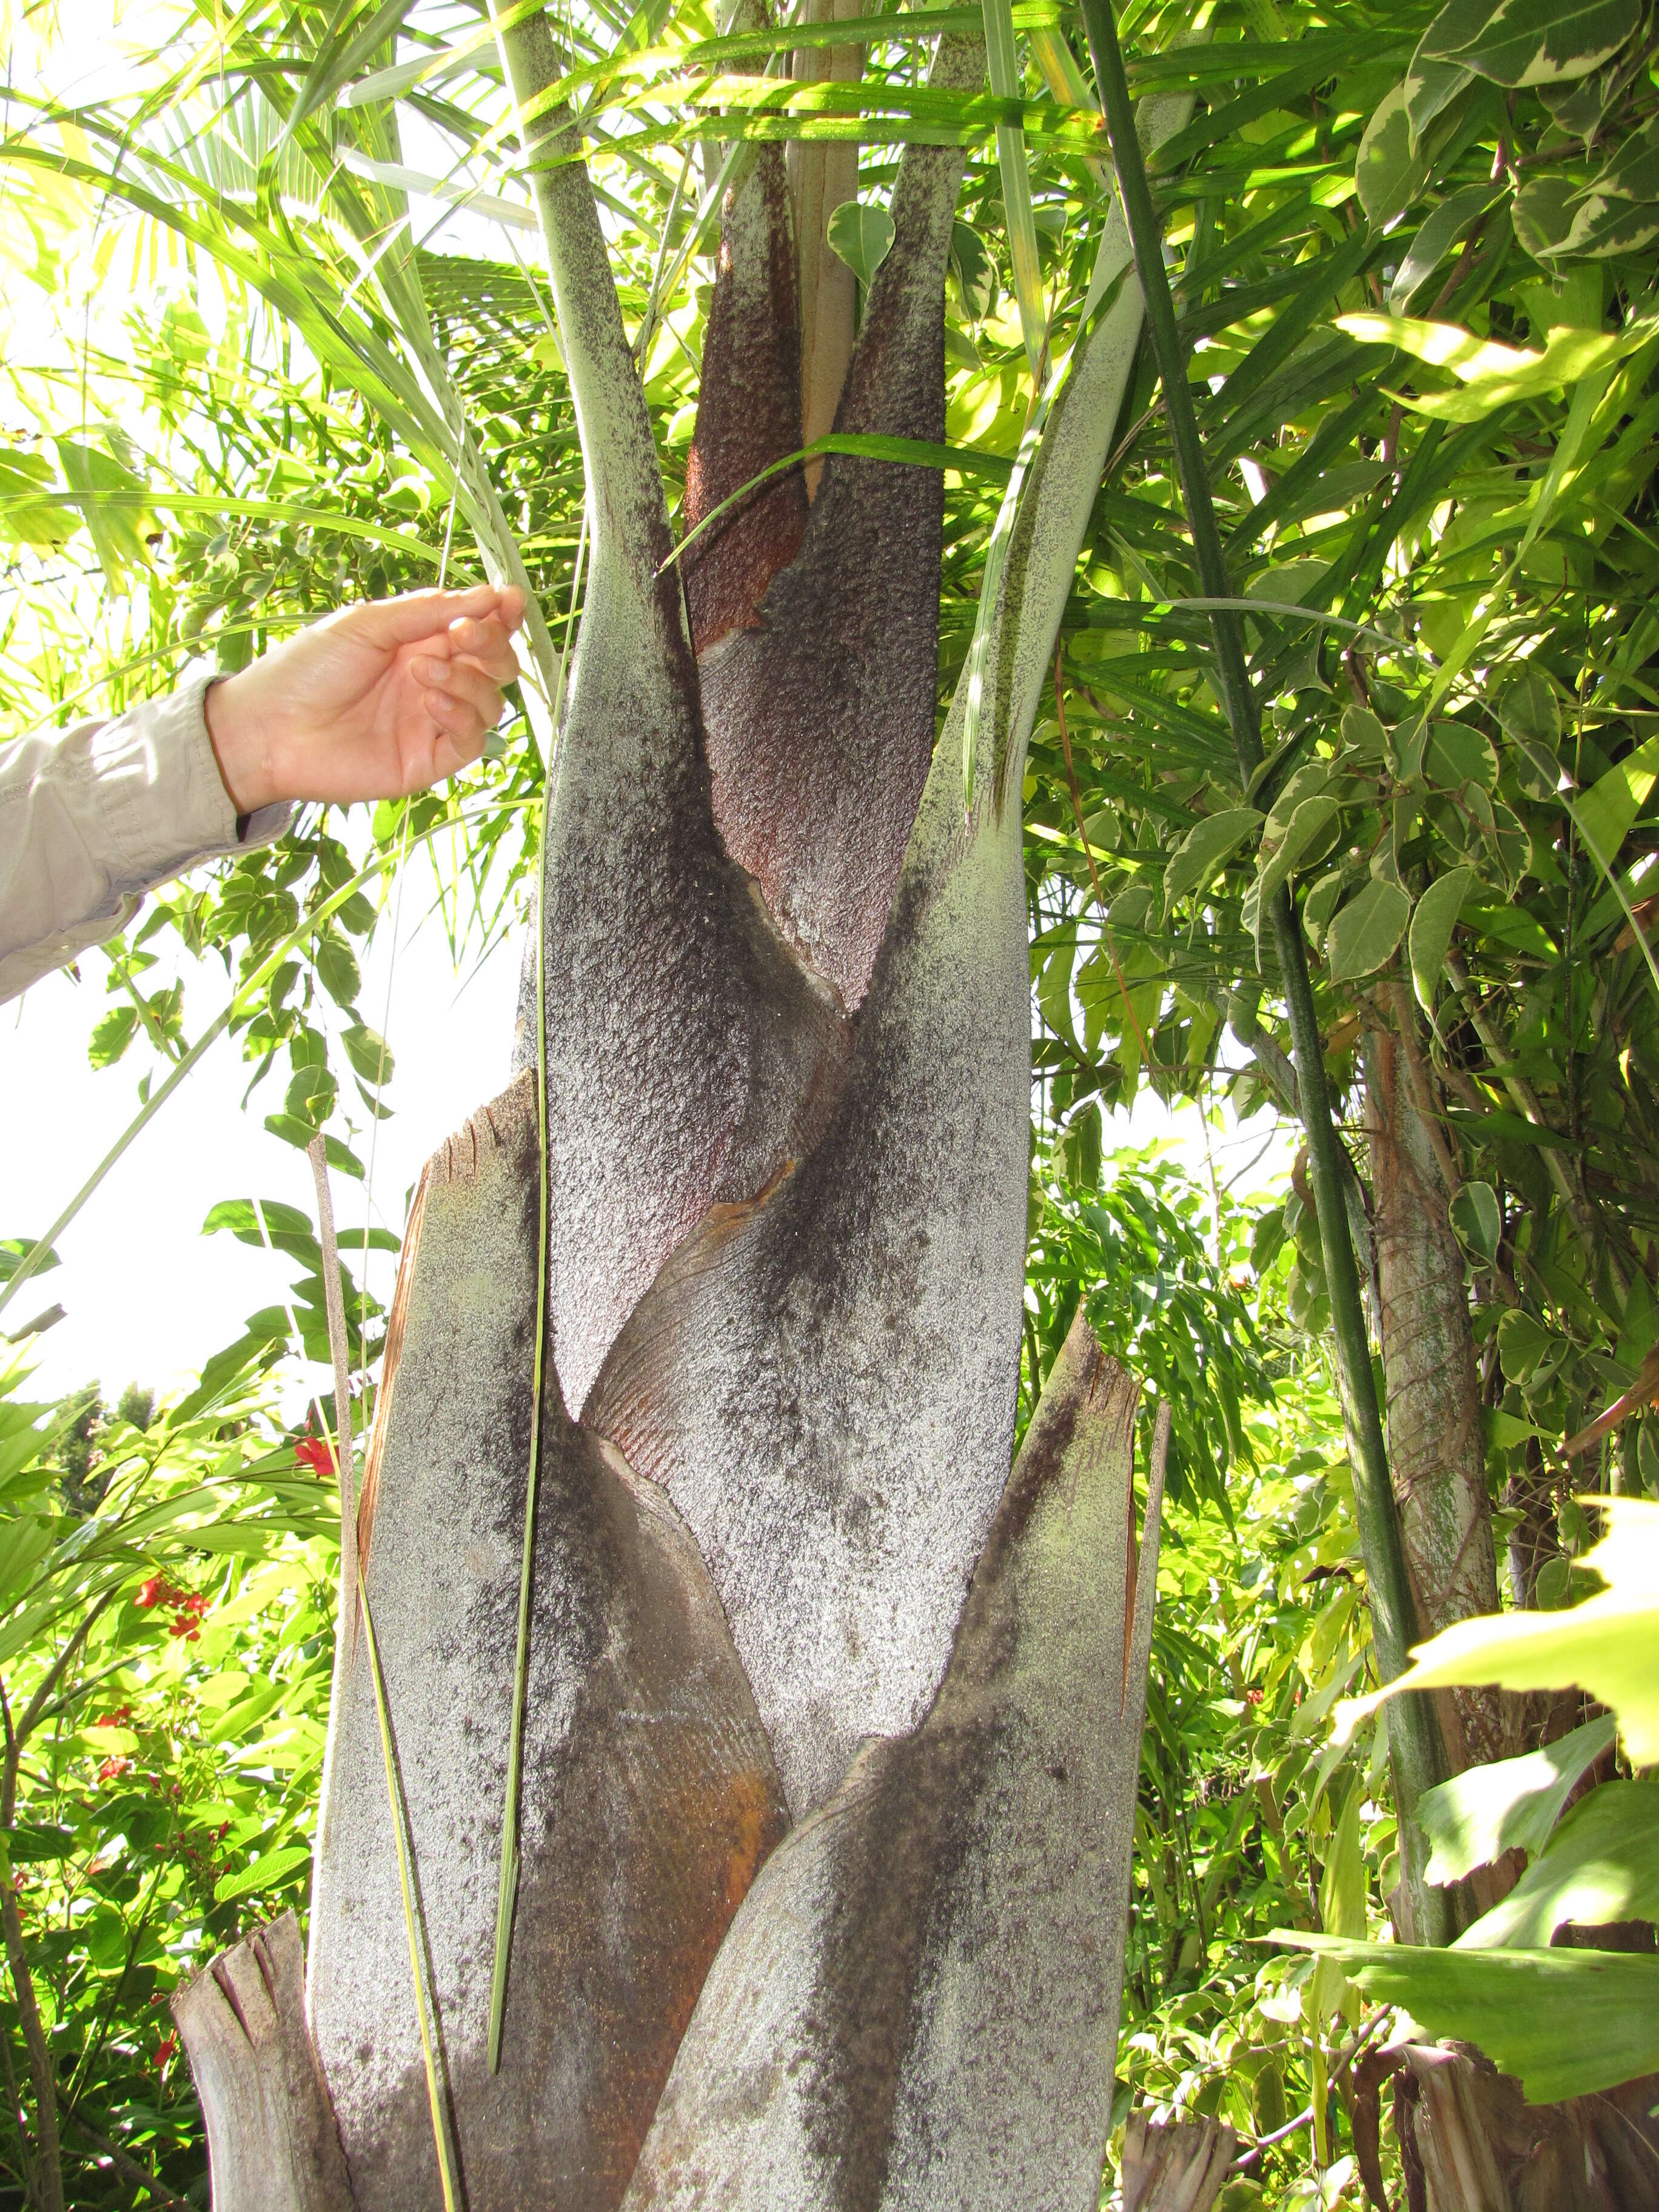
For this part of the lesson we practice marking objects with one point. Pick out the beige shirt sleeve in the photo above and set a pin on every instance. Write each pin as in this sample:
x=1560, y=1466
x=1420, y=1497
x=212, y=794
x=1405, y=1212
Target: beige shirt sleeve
x=92, y=818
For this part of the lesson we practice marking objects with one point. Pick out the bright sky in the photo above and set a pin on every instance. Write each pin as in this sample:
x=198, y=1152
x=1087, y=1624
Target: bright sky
x=148, y=1298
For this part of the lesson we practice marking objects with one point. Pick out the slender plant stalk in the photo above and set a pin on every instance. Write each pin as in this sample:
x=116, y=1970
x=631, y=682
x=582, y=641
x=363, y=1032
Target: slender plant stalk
x=429, y=2052
x=48, y=2185
x=334, y=1302
x=1418, y=1754
x=507, y=1891
x=1003, y=69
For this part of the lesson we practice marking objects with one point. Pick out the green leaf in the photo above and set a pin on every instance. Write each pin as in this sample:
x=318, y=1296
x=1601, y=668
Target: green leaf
x=1618, y=212
x=1431, y=87
x=14, y=1250
x=1510, y=1805
x=1341, y=1909
x=1601, y=1865
x=32, y=1846
x=1523, y=1344
x=1542, y=212
x=1608, y=1646
x=1388, y=172
x=1203, y=851
x=337, y=964
x=1456, y=757
x=1528, y=42
x=1317, y=906
x=974, y=272
x=1606, y=812
x=1456, y=216
x=369, y=1053
x=290, y=1230
x=1433, y=923
x=1529, y=715
x=28, y=516
x=263, y=1874
x=1493, y=374
x=1566, y=2023
x=111, y=1034
x=111, y=507
x=862, y=237
x=1307, y=837
x=1363, y=936
x=1479, y=1221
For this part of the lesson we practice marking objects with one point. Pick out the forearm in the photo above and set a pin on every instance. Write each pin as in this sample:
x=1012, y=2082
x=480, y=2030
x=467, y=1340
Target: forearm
x=92, y=818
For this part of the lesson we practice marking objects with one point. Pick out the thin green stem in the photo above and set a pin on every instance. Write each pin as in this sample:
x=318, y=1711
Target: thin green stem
x=1418, y=1754
x=507, y=1890
x=434, y=2087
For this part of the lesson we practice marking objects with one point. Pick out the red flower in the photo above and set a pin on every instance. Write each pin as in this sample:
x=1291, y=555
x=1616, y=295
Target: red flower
x=152, y=1592
x=164, y=2050
x=1252, y=1697
x=112, y=1768
x=313, y=1452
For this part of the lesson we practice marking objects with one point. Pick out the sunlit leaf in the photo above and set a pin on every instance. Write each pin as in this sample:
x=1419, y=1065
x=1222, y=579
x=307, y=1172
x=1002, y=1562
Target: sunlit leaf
x=1511, y=1804
x=1608, y=1646
x=1566, y=2023
x=861, y=236
x=1599, y=1867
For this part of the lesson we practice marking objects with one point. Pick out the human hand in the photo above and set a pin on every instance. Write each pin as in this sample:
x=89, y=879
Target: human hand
x=374, y=703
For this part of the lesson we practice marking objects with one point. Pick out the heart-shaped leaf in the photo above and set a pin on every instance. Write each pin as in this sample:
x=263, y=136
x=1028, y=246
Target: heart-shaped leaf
x=862, y=237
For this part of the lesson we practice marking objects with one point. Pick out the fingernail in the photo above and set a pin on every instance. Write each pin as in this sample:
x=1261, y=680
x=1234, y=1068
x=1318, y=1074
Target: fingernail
x=434, y=672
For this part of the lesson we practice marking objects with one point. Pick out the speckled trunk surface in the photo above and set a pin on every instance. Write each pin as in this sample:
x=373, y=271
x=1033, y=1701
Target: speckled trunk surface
x=649, y=1793
x=917, y=2006
x=780, y=1569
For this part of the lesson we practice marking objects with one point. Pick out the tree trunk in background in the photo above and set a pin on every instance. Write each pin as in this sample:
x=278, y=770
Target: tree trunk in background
x=792, y=1622
x=1437, y=1439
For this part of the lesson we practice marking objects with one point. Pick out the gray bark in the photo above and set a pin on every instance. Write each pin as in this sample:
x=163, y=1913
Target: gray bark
x=649, y=1793
x=918, y=2004
x=271, y=2141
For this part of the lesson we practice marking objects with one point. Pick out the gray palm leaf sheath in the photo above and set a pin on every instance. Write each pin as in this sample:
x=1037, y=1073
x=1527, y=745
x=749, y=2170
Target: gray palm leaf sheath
x=833, y=1721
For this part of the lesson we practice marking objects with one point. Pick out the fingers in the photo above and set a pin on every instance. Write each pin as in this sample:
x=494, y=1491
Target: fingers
x=488, y=643
x=420, y=616
x=459, y=683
